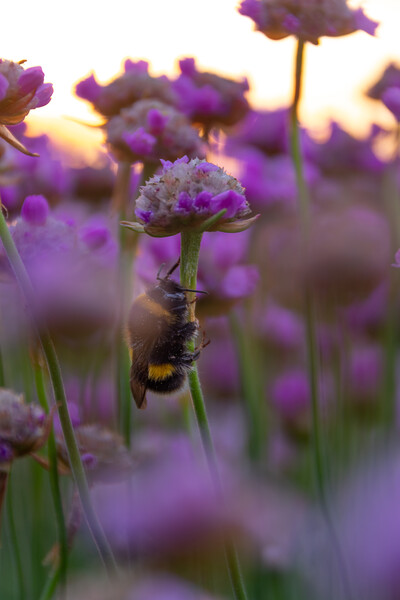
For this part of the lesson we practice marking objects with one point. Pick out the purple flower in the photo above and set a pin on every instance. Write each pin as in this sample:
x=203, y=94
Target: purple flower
x=207, y=98
x=166, y=508
x=184, y=204
x=102, y=450
x=267, y=130
x=366, y=509
x=172, y=212
x=282, y=328
x=150, y=130
x=156, y=121
x=391, y=99
x=23, y=93
x=240, y=281
x=88, y=89
x=365, y=370
x=133, y=85
x=23, y=427
x=290, y=394
x=140, y=142
x=231, y=201
x=307, y=19
x=30, y=80
x=343, y=154
x=389, y=78
x=35, y=210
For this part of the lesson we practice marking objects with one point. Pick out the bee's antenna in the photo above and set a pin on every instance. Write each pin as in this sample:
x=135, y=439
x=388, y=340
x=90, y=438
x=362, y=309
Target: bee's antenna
x=196, y=291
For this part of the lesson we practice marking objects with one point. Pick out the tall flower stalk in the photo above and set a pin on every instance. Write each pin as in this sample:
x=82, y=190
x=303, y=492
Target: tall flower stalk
x=53, y=366
x=310, y=321
x=190, y=197
x=190, y=249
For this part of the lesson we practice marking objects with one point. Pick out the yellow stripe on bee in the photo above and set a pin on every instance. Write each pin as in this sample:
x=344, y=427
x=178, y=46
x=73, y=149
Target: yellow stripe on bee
x=160, y=372
x=154, y=307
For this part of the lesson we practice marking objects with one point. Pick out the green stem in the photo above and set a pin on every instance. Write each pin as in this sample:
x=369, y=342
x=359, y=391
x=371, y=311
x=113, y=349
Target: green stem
x=304, y=207
x=51, y=585
x=190, y=249
x=121, y=204
x=14, y=542
x=310, y=321
x=304, y=200
x=250, y=388
x=77, y=469
x=54, y=481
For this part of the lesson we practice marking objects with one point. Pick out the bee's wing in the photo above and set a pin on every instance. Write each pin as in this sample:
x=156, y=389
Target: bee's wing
x=138, y=390
x=138, y=375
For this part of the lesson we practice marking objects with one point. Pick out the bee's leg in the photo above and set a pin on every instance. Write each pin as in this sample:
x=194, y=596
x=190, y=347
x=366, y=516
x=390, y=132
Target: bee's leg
x=203, y=342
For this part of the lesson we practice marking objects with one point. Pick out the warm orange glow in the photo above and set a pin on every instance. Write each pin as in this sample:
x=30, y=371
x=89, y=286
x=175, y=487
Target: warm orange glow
x=84, y=38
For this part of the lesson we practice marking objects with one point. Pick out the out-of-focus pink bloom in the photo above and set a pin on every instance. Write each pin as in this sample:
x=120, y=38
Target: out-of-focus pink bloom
x=133, y=85
x=165, y=508
x=367, y=528
x=308, y=20
x=391, y=99
x=208, y=98
x=364, y=373
x=73, y=271
x=290, y=393
x=151, y=130
x=389, y=78
x=343, y=154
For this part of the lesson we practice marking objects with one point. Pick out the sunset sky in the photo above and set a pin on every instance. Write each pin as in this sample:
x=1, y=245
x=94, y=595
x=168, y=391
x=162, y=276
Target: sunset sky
x=69, y=40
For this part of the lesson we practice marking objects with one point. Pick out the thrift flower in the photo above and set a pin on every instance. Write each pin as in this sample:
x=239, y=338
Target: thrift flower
x=102, y=450
x=23, y=427
x=149, y=130
x=21, y=90
x=389, y=78
x=191, y=195
x=391, y=99
x=133, y=85
x=209, y=99
x=308, y=20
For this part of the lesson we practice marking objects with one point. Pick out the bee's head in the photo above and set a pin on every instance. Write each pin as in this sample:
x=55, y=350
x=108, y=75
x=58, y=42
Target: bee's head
x=169, y=293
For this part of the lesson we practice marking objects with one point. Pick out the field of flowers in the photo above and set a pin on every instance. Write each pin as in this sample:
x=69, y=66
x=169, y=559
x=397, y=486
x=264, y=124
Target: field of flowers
x=199, y=339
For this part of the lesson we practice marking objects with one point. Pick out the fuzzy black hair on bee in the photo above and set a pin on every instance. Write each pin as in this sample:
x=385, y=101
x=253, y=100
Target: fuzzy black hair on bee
x=159, y=332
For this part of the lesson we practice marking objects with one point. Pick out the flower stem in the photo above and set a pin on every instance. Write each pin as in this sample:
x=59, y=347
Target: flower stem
x=304, y=208
x=304, y=200
x=54, y=480
x=250, y=388
x=14, y=542
x=77, y=469
x=190, y=249
x=121, y=205
x=310, y=321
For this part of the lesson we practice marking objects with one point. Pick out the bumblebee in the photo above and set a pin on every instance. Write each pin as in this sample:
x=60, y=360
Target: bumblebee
x=158, y=331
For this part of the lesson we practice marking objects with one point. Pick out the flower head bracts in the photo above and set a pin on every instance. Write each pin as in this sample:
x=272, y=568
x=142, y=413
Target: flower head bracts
x=23, y=427
x=102, y=450
x=208, y=98
x=133, y=85
x=21, y=90
x=306, y=19
x=191, y=195
x=149, y=130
